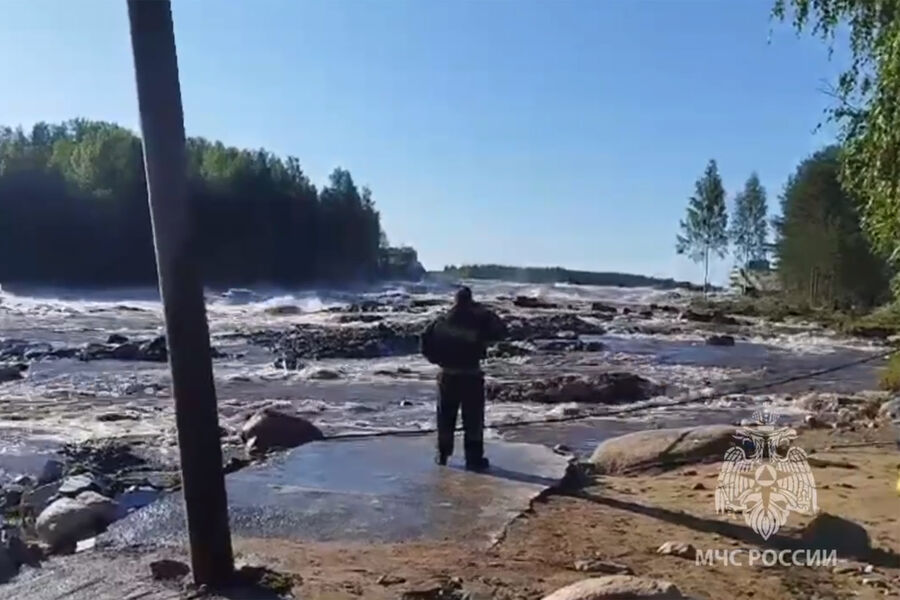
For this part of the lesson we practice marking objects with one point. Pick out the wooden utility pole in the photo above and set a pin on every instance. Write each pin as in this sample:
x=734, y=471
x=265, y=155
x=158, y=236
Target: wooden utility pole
x=196, y=415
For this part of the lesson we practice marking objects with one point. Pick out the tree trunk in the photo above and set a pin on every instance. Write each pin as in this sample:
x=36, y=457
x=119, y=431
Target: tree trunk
x=706, y=270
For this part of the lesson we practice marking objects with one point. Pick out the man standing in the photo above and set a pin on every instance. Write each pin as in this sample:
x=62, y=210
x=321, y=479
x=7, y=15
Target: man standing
x=457, y=341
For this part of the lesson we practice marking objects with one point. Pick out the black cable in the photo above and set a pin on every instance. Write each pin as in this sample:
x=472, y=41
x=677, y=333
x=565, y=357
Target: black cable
x=628, y=409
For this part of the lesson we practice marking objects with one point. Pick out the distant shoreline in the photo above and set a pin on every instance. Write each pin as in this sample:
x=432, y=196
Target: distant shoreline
x=547, y=275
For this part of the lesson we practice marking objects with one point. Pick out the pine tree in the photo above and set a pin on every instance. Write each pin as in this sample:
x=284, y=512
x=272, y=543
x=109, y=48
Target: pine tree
x=749, y=228
x=823, y=257
x=704, y=230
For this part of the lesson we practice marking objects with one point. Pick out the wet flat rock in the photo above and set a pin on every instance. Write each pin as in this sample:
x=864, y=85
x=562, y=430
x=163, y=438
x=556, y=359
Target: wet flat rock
x=381, y=489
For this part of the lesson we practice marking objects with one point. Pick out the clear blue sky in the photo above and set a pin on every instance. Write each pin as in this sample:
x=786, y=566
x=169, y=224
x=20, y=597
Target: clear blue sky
x=529, y=132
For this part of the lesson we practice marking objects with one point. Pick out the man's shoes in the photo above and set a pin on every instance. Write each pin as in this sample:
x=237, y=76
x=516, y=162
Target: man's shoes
x=478, y=464
x=440, y=459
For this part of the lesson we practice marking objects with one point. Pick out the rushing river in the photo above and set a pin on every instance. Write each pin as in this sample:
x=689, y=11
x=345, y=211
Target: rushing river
x=66, y=399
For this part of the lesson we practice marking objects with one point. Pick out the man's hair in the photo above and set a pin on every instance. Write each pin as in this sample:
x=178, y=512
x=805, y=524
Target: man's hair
x=464, y=296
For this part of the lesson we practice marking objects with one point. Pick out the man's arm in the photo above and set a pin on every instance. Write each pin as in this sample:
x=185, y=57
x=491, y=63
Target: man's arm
x=494, y=327
x=426, y=343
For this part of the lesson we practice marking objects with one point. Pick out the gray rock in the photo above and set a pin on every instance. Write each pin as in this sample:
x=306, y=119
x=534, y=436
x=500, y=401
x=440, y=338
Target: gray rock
x=51, y=471
x=11, y=495
x=830, y=532
x=715, y=317
x=814, y=422
x=890, y=411
x=720, y=340
x=75, y=484
x=36, y=500
x=110, y=417
x=532, y=302
x=154, y=350
x=37, y=351
x=24, y=480
x=390, y=580
x=618, y=587
x=12, y=372
x=663, y=448
x=69, y=520
x=126, y=351
x=116, y=338
x=562, y=449
x=322, y=374
x=270, y=429
x=679, y=549
x=596, y=565
x=603, y=388
x=603, y=308
x=168, y=569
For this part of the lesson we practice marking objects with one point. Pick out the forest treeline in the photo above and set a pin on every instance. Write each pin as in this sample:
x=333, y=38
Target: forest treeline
x=822, y=255
x=558, y=275
x=73, y=210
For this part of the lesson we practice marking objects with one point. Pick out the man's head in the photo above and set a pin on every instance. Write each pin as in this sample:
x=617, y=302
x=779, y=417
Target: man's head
x=464, y=296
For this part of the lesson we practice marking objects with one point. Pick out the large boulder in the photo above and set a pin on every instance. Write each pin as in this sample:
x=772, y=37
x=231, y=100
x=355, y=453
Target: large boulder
x=890, y=411
x=605, y=388
x=663, y=448
x=69, y=520
x=270, y=428
x=618, y=587
x=829, y=532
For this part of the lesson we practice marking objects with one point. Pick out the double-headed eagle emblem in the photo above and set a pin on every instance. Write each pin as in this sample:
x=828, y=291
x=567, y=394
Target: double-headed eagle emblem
x=766, y=478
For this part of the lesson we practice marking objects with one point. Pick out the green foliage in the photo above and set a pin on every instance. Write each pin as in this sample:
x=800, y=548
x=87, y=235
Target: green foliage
x=866, y=109
x=749, y=227
x=558, y=275
x=823, y=258
x=73, y=209
x=704, y=229
x=890, y=375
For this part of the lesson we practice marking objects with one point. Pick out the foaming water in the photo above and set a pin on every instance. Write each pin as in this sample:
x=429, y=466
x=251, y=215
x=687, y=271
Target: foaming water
x=65, y=399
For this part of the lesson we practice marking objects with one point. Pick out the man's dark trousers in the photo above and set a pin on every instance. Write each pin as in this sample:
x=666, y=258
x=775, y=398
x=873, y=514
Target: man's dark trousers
x=461, y=389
